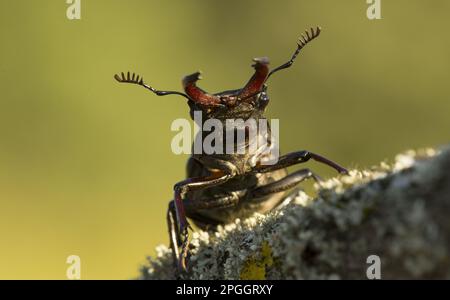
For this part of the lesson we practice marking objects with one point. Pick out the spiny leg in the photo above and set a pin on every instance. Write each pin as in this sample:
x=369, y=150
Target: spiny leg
x=298, y=158
x=284, y=184
x=300, y=44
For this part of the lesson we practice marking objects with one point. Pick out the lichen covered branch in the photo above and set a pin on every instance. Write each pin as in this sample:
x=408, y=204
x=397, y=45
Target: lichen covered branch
x=399, y=212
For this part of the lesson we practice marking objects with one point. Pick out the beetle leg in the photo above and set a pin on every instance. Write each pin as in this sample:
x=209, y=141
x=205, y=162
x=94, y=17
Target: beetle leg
x=224, y=201
x=173, y=232
x=181, y=189
x=298, y=158
x=284, y=184
x=194, y=209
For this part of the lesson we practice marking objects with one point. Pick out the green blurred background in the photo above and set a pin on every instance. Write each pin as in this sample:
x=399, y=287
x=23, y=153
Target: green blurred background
x=85, y=163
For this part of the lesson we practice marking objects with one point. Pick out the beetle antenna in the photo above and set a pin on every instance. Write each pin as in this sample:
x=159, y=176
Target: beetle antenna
x=139, y=80
x=302, y=42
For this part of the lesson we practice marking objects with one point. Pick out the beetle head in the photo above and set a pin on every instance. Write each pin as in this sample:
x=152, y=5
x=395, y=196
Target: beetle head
x=244, y=103
x=247, y=102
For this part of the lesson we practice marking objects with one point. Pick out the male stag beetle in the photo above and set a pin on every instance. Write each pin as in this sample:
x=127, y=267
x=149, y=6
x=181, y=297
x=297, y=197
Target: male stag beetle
x=222, y=187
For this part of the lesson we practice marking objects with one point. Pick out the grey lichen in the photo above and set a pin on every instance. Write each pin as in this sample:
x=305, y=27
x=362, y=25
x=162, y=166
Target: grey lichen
x=399, y=212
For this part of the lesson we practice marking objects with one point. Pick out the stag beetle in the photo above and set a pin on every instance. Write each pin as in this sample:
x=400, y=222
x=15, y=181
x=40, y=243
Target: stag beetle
x=222, y=187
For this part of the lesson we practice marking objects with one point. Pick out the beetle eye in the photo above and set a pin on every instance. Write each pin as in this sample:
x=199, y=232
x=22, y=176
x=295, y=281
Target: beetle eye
x=263, y=100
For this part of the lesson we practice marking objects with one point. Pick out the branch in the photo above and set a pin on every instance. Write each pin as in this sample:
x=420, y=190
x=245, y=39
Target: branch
x=399, y=212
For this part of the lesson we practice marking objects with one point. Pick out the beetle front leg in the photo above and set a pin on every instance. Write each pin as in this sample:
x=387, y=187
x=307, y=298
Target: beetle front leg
x=174, y=233
x=298, y=158
x=284, y=184
x=223, y=201
x=181, y=189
